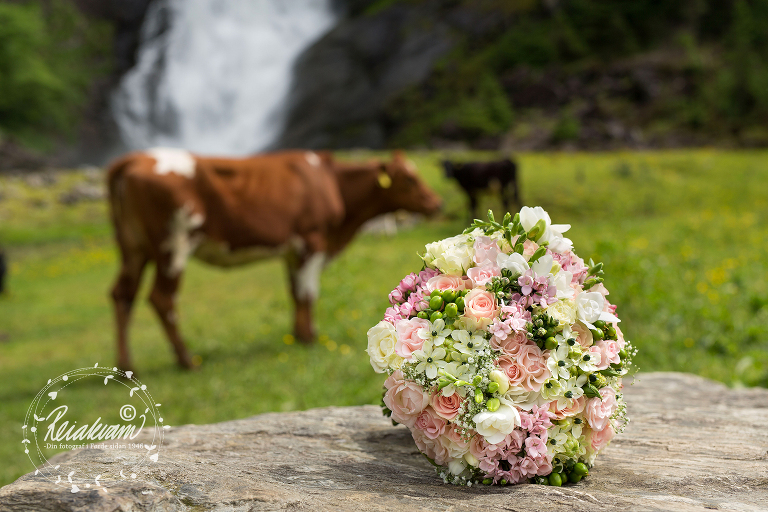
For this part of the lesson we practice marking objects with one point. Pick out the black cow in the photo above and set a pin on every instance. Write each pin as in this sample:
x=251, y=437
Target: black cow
x=475, y=177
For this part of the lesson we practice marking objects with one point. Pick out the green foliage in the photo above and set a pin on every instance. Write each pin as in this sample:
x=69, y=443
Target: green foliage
x=49, y=57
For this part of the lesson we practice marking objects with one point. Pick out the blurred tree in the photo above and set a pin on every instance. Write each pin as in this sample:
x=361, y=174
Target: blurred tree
x=49, y=56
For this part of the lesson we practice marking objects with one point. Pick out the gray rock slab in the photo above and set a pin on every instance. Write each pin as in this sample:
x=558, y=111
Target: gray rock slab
x=693, y=445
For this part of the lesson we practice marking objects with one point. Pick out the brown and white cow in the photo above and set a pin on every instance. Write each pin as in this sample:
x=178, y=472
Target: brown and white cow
x=168, y=205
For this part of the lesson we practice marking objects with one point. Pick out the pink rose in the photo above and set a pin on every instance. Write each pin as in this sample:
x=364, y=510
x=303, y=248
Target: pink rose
x=511, y=345
x=515, y=372
x=574, y=408
x=485, y=250
x=408, y=339
x=442, y=282
x=483, y=274
x=598, y=412
x=429, y=422
x=609, y=351
x=432, y=448
x=479, y=309
x=534, y=364
x=583, y=334
x=599, y=439
x=404, y=398
x=446, y=406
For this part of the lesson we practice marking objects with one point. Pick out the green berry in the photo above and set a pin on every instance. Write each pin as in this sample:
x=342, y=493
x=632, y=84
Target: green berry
x=596, y=333
x=623, y=354
x=435, y=316
x=550, y=343
x=555, y=480
x=423, y=314
x=449, y=295
x=600, y=324
x=488, y=481
x=574, y=478
x=460, y=303
x=435, y=293
x=451, y=310
x=436, y=302
x=581, y=469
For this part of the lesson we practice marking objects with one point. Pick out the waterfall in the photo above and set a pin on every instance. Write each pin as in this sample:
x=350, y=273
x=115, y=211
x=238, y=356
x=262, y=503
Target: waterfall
x=213, y=76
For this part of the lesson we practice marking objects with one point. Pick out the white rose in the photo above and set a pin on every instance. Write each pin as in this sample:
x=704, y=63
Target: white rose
x=589, y=307
x=382, y=338
x=563, y=311
x=495, y=426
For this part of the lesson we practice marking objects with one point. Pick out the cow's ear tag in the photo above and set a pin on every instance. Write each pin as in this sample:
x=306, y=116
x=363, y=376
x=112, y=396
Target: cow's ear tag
x=384, y=180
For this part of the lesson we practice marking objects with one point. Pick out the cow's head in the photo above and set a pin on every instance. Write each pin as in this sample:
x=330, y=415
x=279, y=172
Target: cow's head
x=402, y=187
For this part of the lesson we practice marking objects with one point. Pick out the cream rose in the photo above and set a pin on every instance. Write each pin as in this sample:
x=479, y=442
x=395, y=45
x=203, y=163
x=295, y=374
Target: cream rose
x=382, y=339
x=452, y=256
x=564, y=311
x=495, y=426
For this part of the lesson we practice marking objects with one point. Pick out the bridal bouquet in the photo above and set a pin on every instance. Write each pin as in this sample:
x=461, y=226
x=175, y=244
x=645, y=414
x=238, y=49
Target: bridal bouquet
x=504, y=356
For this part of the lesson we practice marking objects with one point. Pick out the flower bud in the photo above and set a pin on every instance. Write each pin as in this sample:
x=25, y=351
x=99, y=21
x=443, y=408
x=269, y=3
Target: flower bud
x=493, y=387
x=500, y=378
x=471, y=460
x=479, y=396
x=541, y=251
x=537, y=230
x=493, y=404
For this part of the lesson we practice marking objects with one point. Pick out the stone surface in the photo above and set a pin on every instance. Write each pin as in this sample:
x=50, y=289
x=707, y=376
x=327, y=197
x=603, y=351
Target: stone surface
x=693, y=445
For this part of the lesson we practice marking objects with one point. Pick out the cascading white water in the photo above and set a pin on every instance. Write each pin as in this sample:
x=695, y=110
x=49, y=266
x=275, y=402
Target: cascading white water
x=213, y=76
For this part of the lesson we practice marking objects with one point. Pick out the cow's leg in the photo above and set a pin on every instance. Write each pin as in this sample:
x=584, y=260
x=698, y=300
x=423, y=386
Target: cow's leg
x=304, y=272
x=163, y=298
x=123, y=295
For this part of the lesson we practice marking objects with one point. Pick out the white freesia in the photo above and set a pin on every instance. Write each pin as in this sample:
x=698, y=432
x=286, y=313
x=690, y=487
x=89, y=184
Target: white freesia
x=513, y=262
x=495, y=426
x=382, y=338
x=553, y=233
x=452, y=256
x=543, y=266
x=562, y=281
x=500, y=378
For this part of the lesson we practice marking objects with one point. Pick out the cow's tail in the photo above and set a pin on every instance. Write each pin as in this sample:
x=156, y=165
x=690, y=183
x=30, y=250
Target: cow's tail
x=116, y=190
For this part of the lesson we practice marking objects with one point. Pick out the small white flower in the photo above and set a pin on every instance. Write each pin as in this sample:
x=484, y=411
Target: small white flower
x=559, y=364
x=436, y=333
x=430, y=359
x=571, y=391
x=468, y=344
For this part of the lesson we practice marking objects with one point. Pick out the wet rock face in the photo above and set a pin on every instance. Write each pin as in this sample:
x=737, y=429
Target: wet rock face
x=343, y=81
x=693, y=445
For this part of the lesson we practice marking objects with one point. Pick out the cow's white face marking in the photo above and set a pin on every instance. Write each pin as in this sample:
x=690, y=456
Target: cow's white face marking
x=312, y=159
x=181, y=243
x=173, y=160
x=308, y=277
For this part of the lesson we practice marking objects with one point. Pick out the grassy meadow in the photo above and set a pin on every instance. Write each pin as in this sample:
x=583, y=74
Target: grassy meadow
x=683, y=235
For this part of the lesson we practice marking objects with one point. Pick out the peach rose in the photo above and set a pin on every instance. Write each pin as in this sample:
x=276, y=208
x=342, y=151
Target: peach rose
x=442, y=282
x=408, y=339
x=583, y=334
x=609, y=352
x=575, y=407
x=430, y=447
x=404, y=398
x=534, y=363
x=446, y=406
x=479, y=309
x=598, y=412
x=483, y=274
x=515, y=373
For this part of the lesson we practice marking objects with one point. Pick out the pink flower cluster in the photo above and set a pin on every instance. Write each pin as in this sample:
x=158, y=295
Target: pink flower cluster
x=522, y=455
x=407, y=298
x=536, y=290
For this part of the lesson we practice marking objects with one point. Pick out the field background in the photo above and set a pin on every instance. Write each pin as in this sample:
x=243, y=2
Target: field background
x=683, y=236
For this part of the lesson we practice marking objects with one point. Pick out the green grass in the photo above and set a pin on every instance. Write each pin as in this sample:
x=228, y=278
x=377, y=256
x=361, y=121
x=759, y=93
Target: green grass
x=683, y=236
